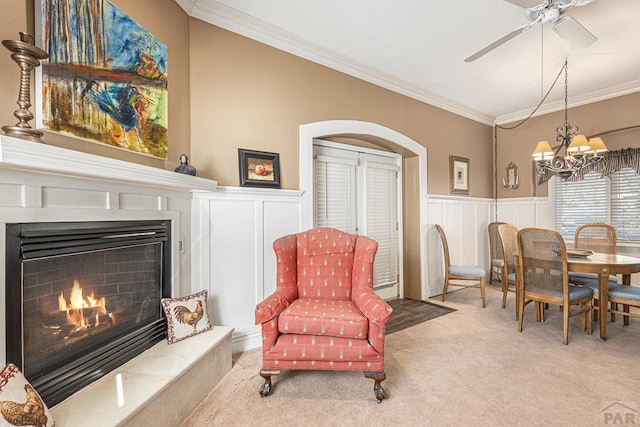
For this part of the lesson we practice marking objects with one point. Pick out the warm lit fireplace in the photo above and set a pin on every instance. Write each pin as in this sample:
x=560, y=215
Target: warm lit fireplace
x=83, y=298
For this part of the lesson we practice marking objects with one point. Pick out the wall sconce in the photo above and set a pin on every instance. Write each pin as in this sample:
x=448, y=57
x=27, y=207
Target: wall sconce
x=511, y=182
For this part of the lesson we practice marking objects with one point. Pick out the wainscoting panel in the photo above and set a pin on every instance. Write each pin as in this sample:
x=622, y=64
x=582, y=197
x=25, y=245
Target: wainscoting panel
x=11, y=195
x=233, y=230
x=526, y=212
x=464, y=220
x=53, y=197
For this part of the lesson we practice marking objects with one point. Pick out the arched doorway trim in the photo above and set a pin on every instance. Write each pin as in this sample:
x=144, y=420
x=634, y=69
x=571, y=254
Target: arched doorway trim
x=333, y=128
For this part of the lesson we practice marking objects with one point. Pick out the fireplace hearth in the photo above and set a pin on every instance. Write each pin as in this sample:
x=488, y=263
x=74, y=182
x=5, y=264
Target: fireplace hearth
x=82, y=298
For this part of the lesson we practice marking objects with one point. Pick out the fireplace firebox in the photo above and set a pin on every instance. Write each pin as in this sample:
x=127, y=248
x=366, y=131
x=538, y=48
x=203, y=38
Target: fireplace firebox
x=82, y=298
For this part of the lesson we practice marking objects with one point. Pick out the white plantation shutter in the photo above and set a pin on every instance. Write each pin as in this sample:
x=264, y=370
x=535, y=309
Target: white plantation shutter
x=381, y=221
x=336, y=193
x=613, y=200
x=358, y=193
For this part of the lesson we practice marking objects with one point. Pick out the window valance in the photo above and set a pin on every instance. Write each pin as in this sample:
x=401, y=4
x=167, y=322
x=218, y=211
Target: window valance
x=613, y=162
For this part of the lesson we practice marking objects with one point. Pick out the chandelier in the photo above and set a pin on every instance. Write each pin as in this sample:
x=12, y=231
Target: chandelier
x=574, y=153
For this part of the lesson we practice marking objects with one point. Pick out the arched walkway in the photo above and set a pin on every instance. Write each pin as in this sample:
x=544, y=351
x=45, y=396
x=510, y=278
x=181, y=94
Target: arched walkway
x=365, y=130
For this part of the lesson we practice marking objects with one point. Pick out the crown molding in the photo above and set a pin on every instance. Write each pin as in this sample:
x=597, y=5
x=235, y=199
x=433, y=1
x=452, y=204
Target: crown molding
x=187, y=5
x=576, y=101
x=235, y=21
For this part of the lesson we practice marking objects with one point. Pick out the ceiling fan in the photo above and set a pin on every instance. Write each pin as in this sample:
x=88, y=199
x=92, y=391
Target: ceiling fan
x=547, y=12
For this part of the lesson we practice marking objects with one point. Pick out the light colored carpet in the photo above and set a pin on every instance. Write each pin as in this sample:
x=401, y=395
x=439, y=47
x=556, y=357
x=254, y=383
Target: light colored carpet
x=470, y=367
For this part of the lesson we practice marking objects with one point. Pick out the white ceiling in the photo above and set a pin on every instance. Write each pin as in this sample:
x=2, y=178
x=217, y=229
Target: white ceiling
x=417, y=48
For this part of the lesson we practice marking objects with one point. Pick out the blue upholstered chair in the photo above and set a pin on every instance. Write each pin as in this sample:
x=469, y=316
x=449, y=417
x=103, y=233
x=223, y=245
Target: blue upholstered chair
x=464, y=275
x=628, y=296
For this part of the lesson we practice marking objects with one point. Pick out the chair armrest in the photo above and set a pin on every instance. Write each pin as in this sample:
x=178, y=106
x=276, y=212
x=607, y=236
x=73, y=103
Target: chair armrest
x=377, y=311
x=273, y=305
x=286, y=287
x=372, y=306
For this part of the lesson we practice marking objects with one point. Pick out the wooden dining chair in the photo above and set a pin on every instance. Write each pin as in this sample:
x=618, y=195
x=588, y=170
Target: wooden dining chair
x=597, y=238
x=626, y=295
x=543, y=278
x=464, y=275
x=495, y=251
x=508, y=235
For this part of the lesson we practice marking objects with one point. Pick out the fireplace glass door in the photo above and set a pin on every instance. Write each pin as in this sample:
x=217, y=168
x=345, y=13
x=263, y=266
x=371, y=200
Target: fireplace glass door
x=89, y=299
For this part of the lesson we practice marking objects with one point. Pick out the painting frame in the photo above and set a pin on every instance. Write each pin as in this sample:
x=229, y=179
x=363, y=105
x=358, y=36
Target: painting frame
x=106, y=79
x=459, y=175
x=259, y=168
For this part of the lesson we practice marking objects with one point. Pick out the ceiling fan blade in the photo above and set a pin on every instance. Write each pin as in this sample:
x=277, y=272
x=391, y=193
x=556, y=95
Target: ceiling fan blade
x=527, y=4
x=498, y=42
x=581, y=2
x=573, y=33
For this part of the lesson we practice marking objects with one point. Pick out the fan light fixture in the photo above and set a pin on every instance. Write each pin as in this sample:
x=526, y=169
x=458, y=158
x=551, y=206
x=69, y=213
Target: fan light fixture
x=578, y=151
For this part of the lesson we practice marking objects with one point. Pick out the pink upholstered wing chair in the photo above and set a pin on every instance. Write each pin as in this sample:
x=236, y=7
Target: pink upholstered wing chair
x=324, y=314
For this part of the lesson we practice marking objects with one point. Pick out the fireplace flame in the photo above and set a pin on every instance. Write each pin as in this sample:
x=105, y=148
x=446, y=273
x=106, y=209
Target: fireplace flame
x=76, y=304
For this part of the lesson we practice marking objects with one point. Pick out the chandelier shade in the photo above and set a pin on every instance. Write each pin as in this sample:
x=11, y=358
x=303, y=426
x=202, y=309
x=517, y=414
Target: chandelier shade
x=597, y=146
x=543, y=151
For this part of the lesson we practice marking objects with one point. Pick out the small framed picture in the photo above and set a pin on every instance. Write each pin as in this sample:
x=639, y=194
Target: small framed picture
x=459, y=174
x=259, y=168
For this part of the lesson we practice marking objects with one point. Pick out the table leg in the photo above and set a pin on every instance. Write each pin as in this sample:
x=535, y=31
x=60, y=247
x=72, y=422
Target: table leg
x=603, y=301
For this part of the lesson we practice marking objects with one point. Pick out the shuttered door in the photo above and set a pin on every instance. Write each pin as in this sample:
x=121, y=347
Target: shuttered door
x=358, y=193
x=380, y=219
x=336, y=193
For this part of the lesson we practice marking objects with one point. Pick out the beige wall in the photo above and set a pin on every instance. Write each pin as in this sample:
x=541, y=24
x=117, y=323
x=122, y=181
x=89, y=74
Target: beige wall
x=166, y=20
x=245, y=94
x=518, y=144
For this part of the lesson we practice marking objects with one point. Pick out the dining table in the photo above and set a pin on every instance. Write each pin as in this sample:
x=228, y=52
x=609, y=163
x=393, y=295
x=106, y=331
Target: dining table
x=604, y=265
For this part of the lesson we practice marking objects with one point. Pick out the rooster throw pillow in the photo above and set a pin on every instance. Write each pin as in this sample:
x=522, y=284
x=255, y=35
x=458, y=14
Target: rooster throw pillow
x=186, y=316
x=20, y=404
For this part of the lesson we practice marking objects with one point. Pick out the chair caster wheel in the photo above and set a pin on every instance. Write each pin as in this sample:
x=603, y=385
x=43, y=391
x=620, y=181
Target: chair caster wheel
x=265, y=390
x=380, y=393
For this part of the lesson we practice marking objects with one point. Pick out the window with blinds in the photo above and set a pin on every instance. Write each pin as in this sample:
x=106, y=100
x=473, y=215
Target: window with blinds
x=358, y=192
x=625, y=204
x=613, y=200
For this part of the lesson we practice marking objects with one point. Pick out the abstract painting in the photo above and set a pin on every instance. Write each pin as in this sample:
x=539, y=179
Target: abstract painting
x=106, y=78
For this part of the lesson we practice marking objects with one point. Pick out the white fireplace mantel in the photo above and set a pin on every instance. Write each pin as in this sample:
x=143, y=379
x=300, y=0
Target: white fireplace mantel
x=43, y=183
x=21, y=154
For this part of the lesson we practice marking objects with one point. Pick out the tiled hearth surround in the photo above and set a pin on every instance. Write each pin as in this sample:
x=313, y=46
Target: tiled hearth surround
x=40, y=183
